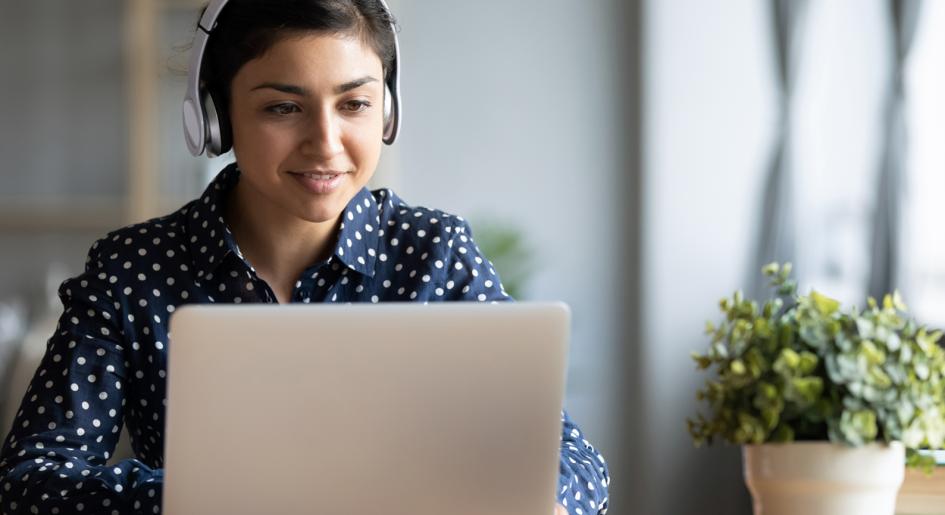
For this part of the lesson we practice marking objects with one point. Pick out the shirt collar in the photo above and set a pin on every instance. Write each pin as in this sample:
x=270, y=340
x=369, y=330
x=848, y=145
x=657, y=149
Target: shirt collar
x=211, y=240
x=357, y=239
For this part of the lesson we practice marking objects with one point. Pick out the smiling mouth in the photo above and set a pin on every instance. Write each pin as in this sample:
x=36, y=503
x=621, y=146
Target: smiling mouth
x=319, y=176
x=320, y=182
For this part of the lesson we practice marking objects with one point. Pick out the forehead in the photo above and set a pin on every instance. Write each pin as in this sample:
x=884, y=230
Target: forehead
x=314, y=59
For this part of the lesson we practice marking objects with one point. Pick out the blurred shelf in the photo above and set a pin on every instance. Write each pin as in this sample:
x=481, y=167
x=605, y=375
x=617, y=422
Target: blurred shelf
x=46, y=215
x=145, y=24
x=102, y=215
x=921, y=494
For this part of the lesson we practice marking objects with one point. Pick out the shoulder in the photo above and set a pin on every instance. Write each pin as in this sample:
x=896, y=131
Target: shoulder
x=403, y=222
x=116, y=261
x=137, y=241
x=438, y=247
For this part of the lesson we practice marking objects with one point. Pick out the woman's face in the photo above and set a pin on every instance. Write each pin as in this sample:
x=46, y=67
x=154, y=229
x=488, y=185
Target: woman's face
x=307, y=121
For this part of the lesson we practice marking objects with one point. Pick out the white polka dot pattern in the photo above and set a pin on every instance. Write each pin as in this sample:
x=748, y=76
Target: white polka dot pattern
x=106, y=364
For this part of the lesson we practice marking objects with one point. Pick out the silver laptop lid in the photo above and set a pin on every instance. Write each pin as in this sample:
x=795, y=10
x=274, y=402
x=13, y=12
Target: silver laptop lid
x=354, y=409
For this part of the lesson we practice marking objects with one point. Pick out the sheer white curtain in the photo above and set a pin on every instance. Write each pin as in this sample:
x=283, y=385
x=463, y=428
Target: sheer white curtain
x=838, y=143
x=922, y=245
x=885, y=255
x=776, y=238
x=867, y=152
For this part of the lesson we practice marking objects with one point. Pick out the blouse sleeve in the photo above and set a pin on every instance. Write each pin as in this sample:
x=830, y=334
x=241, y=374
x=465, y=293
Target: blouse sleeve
x=584, y=477
x=468, y=275
x=54, y=458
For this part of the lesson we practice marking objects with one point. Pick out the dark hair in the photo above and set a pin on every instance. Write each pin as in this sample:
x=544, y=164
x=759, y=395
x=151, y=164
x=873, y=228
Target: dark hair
x=247, y=29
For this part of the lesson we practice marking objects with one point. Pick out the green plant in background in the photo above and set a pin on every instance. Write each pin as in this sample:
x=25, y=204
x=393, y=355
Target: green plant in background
x=505, y=247
x=802, y=368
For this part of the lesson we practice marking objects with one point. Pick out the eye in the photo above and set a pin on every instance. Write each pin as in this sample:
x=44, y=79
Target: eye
x=282, y=109
x=356, y=106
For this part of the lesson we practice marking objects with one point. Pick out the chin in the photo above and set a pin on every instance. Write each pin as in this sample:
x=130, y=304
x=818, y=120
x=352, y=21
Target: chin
x=319, y=217
x=322, y=213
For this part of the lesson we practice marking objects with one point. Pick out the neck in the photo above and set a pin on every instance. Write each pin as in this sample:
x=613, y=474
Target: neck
x=279, y=246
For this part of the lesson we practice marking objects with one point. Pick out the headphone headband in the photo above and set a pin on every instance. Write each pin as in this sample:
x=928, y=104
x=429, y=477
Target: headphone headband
x=204, y=122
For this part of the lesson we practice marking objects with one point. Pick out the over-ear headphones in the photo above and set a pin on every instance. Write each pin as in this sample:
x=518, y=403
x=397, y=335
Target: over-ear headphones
x=206, y=124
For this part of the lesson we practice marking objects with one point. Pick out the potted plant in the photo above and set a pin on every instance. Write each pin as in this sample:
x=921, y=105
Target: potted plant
x=828, y=404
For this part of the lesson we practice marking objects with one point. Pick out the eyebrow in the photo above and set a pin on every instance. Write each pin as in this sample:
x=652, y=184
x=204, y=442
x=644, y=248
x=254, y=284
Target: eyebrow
x=299, y=90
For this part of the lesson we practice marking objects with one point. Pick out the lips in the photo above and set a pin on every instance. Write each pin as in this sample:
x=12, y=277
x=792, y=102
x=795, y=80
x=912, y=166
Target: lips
x=319, y=181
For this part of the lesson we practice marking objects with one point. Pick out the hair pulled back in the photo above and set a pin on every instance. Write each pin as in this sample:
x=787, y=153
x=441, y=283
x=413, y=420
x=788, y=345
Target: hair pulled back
x=247, y=29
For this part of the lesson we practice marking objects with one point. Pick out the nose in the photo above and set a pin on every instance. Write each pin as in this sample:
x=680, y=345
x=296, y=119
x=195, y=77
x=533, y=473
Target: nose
x=323, y=135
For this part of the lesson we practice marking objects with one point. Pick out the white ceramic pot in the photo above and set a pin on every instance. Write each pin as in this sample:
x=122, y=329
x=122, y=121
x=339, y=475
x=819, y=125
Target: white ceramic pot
x=822, y=478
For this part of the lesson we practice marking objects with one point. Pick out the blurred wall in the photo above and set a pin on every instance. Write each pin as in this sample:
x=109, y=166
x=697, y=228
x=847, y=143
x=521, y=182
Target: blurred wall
x=532, y=112
x=512, y=112
x=709, y=112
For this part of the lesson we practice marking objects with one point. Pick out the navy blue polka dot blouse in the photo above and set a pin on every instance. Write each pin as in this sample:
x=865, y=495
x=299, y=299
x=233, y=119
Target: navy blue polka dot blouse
x=105, y=366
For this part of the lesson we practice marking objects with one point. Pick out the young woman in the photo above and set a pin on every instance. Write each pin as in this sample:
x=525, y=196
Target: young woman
x=305, y=93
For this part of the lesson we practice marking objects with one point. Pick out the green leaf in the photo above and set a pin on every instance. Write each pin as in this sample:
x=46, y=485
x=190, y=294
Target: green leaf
x=878, y=378
x=871, y=352
x=709, y=328
x=808, y=388
x=936, y=336
x=770, y=269
x=858, y=427
x=866, y=328
x=925, y=341
x=720, y=350
x=703, y=362
x=808, y=362
x=897, y=302
x=788, y=288
x=893, y=342
x=755, y=362
x=750, y=429
x=923, y=462
x=825, y=305
x=786, y=335
x=787, y=363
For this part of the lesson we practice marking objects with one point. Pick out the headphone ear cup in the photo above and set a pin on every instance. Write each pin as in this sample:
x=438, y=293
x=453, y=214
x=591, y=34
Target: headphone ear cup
x=219, y=132
x=226, y=130
x=388, y=107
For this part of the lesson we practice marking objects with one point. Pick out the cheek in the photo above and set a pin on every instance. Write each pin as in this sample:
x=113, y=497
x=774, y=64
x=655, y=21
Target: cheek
x=366, y=140
x=254, y=139
x=365, y=148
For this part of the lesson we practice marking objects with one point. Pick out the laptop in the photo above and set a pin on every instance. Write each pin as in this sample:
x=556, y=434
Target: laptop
x=399, y=408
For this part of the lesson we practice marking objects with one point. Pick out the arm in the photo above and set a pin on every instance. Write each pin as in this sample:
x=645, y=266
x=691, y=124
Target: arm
x=54, y=458
x=584, y=477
